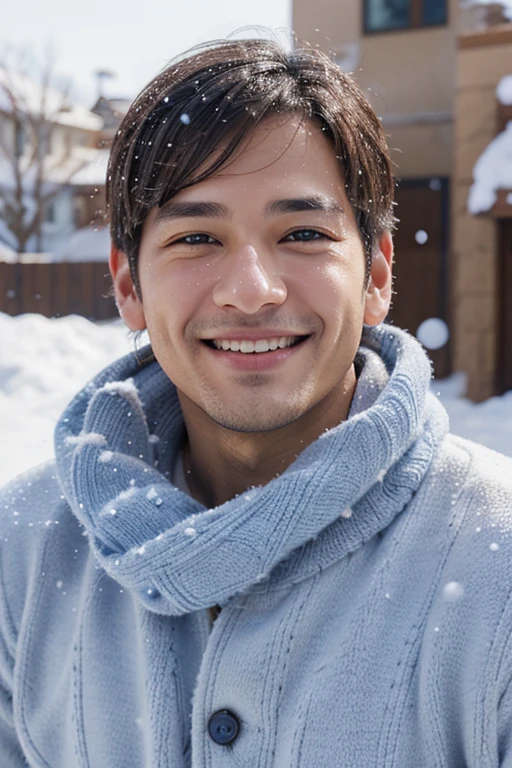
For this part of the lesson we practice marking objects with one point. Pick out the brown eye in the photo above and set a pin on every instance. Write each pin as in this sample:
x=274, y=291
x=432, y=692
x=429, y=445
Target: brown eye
x=198, y=238
x=304, y=236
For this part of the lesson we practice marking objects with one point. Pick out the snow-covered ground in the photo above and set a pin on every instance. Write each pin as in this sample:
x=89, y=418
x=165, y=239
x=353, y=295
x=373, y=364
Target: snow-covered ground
x=43, y=363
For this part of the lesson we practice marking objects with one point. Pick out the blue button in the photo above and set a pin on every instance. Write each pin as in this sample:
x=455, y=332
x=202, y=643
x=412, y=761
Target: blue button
x=223, y=727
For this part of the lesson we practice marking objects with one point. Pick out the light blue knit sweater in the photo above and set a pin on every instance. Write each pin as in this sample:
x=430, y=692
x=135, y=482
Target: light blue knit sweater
x=366, y=593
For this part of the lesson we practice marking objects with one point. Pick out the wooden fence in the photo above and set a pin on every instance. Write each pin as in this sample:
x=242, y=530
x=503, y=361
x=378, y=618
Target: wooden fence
x=55, y=289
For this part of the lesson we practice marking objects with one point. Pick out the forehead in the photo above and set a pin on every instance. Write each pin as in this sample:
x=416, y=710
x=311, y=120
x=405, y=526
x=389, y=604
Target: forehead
x=284, y=155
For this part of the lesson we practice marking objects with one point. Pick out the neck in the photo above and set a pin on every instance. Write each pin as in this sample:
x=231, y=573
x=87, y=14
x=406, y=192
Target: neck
x=221, y=463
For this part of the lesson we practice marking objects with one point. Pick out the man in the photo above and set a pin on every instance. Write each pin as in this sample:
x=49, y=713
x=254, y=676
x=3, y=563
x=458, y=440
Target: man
x=257, y=545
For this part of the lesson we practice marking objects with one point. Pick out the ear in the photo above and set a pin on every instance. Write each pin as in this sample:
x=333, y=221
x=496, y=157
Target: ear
x=128, y=302
x=378, y=292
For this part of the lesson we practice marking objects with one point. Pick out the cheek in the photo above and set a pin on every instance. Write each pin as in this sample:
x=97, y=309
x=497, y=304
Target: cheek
x=173, y=292
x=334, y=290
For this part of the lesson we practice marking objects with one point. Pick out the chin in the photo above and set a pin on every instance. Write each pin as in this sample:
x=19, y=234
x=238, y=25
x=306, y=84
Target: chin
x=245, y=421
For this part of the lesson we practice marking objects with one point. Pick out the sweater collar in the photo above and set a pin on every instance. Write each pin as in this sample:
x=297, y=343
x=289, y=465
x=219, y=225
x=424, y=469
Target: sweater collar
x=177, y=556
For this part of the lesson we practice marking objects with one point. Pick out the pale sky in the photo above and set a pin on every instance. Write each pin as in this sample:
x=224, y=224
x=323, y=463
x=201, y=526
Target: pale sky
x=135, y=41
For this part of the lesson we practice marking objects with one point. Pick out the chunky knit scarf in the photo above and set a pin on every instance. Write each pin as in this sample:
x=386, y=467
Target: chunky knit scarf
x=178, y=556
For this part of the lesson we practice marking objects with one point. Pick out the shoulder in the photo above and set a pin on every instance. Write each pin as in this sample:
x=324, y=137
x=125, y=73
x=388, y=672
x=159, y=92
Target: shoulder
x=30, y=501
x=467, y=504
x=469, y=497
x=38, y=529
x=481, y=472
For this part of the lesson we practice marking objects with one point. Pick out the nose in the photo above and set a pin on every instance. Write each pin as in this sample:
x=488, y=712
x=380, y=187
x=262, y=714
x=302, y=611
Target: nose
x=248, y=284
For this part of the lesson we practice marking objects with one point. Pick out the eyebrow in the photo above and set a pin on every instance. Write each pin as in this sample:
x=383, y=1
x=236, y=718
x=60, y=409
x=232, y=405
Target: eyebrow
x=321, y=203
x=176, y=210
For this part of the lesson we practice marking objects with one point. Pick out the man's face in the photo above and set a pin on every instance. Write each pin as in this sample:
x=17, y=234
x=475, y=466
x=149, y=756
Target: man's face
x=253, y=283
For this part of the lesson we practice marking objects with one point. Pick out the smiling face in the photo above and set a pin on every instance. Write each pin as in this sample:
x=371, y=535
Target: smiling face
x=253, y=284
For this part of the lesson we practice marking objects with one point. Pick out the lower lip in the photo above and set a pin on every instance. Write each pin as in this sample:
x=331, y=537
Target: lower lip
x=255, y=361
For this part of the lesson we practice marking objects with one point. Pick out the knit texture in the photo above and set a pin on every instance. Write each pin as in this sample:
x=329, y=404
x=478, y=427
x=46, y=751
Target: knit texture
x=180, y=557
x=371, y=625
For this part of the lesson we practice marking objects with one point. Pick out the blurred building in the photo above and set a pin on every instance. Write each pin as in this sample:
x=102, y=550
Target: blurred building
x=49, y=163
x=409, y=58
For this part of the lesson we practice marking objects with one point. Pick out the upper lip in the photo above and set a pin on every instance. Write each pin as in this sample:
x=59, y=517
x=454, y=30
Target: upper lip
x=253, y=335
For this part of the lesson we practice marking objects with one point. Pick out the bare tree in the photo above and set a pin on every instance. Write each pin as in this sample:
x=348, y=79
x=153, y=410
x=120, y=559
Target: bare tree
x=31, y=105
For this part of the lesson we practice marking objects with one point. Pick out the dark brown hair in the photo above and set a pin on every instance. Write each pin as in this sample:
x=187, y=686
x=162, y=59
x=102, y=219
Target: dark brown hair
x=211, y=100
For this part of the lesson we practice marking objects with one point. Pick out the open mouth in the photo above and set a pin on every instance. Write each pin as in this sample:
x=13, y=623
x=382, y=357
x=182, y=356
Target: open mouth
x=259, y=346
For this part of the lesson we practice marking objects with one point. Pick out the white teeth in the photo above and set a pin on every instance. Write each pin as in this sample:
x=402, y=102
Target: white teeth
x=261, y=345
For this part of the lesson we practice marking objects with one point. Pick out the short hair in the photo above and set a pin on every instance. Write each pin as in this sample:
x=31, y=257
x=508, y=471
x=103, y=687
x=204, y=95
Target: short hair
x=211, y=100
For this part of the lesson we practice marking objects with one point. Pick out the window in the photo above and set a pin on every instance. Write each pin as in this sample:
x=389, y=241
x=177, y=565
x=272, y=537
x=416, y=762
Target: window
x=434, y=12
x=383, y=15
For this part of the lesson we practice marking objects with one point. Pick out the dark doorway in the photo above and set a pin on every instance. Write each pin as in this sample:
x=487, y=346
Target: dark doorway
x=504, y=367
x=421, y=260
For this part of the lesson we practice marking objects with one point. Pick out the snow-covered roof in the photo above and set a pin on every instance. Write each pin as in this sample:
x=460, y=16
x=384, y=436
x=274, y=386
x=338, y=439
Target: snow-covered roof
x=507, y=5
x=504, y=90
x=492, y=171
x=86, y=244
x=29, y=92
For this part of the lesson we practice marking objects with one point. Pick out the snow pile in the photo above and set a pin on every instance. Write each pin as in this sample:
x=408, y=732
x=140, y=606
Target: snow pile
x=43, y=363
x=507, y=5
x=489, y=423
x=492, y=171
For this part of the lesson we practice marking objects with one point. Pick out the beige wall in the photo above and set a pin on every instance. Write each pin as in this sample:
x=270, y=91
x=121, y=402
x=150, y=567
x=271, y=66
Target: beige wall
x=474, y=241
x=405, y=73
x=422, y=150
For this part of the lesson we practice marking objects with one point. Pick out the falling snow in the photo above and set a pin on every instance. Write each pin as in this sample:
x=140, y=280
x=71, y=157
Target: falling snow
x=433, y=333
x=504, y=90
x=453, y=591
